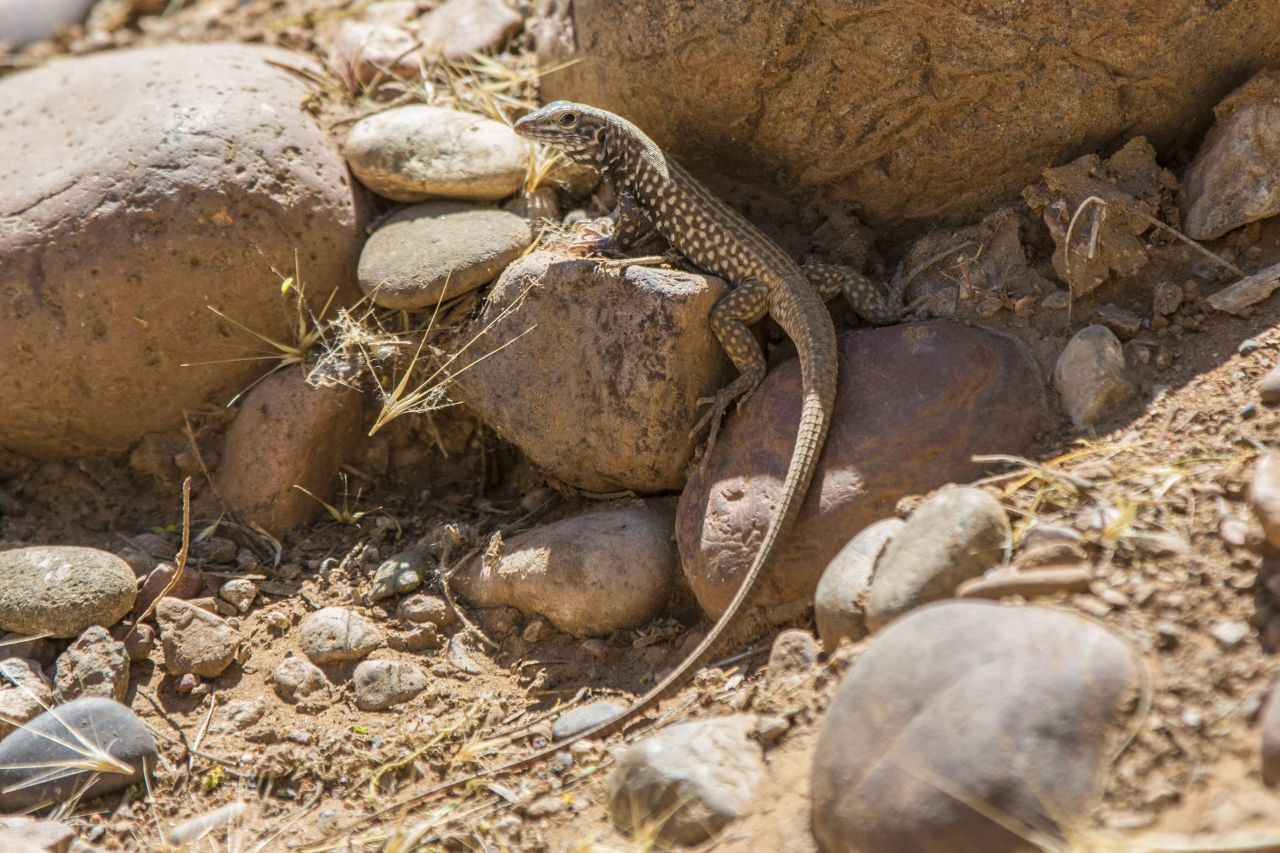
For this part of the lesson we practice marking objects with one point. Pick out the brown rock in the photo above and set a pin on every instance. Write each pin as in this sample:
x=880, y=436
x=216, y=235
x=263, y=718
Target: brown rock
x=783, y=94
x=187, y=586
x=1090, y=376
x=129, y=206
x=1018, y=708
x=287, y=433
x=1271, y=738
x=915, y=404
x=628, y=351
x=1269, y=387
x=94, y=665
x=1264, y=496
x=1233, y=179
x=195, y=641
x=363, y=54
x=592, y=574
x=458, y=28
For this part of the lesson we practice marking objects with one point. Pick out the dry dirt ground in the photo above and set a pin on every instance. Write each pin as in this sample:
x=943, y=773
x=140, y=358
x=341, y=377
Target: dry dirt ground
x=1175, y=462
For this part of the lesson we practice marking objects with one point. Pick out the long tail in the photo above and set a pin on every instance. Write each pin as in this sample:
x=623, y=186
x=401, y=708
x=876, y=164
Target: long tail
x=815, y=340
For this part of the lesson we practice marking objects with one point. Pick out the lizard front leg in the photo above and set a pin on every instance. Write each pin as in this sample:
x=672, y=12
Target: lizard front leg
x=864, y=297
x=730, y=319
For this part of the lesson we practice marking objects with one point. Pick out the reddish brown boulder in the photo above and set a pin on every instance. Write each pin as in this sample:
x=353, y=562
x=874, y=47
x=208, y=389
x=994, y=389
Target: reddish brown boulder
x=915, y=403
x=287, y=433
x=139, y=188
x=904, y=111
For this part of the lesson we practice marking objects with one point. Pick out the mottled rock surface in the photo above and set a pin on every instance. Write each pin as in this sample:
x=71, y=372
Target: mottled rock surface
x=62, y=589
x=915, y=404
x=128, y=206
x=1090, y=376
x=840, y=601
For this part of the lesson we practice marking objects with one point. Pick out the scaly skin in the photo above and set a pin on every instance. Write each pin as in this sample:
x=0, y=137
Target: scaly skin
x=766, y=280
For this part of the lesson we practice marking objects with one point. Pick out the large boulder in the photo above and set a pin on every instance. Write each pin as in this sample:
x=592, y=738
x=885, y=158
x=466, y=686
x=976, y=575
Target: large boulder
x=139, y=189
x=908, y=112
x=914, y=405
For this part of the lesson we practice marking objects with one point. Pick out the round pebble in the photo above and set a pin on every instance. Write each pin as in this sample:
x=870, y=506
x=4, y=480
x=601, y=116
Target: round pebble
x=382, y=684
x=337, y=634
x=61, y=590
x=584, y=717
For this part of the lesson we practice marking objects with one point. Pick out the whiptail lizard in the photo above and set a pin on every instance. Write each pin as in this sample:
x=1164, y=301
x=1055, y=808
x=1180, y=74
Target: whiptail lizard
x=766, y=281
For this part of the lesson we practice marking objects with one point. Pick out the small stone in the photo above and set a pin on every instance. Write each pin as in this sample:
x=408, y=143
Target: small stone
x=842, y=591
x=1034, y=583
x=187, y=586
x=792, y=657
x=21, y=834
x=1166, y=299
x=458, y=28
x=1040, y=534
x=298, y=680
x=691, y=780
x=187, y=684
x=1230, y=634
x=1122, y=321
x=239, y=593
x=193, y=829
x=435, y=251
x=1090, y=376
x=94, y=665
x=237, y=715
x=1248, y=346
x=1043, y=554
x=415, y=153
x=24, y=693
x=195, y=640
x=1162, y=544
x=424, y=637
x=33, y=648
x=585, y=717
x=1269, y=387
x=460, y=656
x=363, y=53
x=544, y=807
x=1248, y=411
x=382, y=684
x=138, y=640
x=217, y=549
x=1264, y=496
x=536, y=631
x=54, y=737
x=61, y=590
x=955, y=535
x=400, y=574
x=338, y=634
x=426, y=609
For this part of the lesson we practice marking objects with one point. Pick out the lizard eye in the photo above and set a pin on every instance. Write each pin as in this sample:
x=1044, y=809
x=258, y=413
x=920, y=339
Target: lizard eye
x=568, y=119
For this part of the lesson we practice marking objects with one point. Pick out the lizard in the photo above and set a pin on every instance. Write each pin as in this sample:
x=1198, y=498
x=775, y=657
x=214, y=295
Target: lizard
x=765, y=280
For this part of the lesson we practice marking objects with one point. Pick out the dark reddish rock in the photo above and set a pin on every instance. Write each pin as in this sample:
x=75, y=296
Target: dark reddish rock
x=288, y=433
x=915, y=403
x=187, y=586
x=1019, y=708
x=139, y=188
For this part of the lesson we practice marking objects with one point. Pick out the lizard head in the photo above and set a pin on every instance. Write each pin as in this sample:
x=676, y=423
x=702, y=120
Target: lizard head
x=581, y=132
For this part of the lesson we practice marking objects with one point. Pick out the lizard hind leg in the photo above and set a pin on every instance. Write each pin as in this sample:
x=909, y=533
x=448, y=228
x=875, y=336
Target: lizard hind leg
x=730, y=320
x=874, y=307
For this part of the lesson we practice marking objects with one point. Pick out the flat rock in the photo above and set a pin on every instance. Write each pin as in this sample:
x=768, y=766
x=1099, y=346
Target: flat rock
x=1090, y=376
x=22, y=834
x=65, y=734
x=239, y=593
x=96, y=664
x=426, y=610
x=382, y=684
x=1035, y=583
x=299, y=681
x=689, y=781
x=195, y=641
x=1234, y=177
x=61, y=589
x=400, y=573
x=435, y=251
x=458, y=28
x=133, y=198
x=338, y=634
x=1020, y=708
x=24, y=693
x=416, y=153
x=590, y=575
x=288, y=433
x=629, y=351
x=584, y=717
x=839, y=604
x=963, y=130
x=1264, y=496
x=915, y=404
x=237, y=715
x=955, y=535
